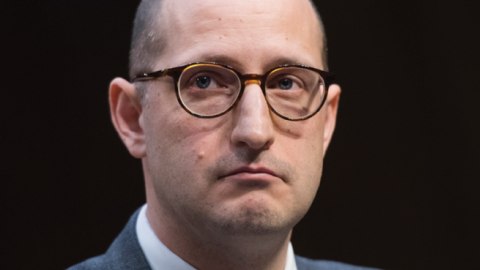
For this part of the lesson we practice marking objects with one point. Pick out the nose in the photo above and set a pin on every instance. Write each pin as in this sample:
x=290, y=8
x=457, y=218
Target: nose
x=252, y=121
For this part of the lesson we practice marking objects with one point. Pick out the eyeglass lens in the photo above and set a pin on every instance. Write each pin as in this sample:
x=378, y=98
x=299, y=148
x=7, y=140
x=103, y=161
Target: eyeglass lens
x=210, y=90
x=294, y=92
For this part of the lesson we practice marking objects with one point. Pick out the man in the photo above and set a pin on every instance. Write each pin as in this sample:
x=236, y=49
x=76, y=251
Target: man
x=231, y=114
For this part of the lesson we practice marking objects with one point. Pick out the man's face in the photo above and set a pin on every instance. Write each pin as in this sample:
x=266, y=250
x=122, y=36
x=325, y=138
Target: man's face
x=246, y=171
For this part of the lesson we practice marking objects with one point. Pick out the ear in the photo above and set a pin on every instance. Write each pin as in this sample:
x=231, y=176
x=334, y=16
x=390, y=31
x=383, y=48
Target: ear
x=126, y=113
x=331, y=107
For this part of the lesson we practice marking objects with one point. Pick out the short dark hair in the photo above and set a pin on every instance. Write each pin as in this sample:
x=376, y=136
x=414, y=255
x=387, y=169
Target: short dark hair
x=148, y=42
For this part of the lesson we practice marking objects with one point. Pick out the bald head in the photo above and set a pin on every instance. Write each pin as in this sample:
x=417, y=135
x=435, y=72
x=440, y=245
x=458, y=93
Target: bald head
x=150, y=31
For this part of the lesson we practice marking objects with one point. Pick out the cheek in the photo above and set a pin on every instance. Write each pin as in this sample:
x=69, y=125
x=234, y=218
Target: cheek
x=301, y=144
x=303, y=139
x=179, y=145
x=169, y=128
x=177, y=157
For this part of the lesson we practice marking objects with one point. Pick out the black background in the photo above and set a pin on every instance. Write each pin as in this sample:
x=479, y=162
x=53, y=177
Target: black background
x=401, y=181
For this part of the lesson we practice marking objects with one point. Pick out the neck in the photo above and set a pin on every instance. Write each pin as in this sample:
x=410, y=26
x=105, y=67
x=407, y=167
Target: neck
x=208, y=249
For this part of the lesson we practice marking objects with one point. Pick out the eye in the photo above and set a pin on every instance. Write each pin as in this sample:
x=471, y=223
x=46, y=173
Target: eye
x=285, y=84
x=203, y=81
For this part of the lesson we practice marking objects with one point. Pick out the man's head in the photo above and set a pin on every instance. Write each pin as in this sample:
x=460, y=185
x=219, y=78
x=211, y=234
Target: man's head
x=248, y=172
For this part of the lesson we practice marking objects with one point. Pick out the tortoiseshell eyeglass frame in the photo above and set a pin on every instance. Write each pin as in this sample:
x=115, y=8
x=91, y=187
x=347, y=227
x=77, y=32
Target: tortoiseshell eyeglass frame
x=176, y=73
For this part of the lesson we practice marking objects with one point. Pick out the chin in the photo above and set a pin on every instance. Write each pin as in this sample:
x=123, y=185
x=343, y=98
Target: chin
x=251, y=219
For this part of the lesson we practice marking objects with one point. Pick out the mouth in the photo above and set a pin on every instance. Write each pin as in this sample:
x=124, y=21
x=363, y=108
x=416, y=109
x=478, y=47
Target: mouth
x=247, y=173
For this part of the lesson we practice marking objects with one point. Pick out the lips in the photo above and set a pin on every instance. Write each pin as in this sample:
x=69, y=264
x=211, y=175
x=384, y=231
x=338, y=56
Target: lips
x=249, y=173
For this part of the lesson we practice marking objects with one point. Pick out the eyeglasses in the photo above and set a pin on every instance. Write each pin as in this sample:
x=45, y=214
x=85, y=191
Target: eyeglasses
x=208, y=90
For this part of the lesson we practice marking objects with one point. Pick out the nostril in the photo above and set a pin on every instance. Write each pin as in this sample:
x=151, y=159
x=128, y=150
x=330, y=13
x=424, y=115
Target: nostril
x=259, y=135
x=258, y=140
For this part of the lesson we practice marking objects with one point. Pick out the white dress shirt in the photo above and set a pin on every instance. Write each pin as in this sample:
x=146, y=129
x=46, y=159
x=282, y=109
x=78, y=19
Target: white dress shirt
x=160, y=257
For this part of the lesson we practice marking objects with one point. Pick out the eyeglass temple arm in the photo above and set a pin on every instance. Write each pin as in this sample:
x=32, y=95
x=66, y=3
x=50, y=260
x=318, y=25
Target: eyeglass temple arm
x=150, y=76
x=328, y=78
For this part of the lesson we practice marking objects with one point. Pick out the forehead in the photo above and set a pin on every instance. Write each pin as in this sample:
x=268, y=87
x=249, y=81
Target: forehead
x=246, y=34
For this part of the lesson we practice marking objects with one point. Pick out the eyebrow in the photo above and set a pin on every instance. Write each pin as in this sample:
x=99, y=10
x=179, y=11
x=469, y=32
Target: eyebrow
x=227, y=60
x=219, y=58
x=283, y=60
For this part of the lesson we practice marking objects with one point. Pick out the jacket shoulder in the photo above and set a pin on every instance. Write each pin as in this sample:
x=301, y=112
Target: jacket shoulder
x=91, y=264
x=309, y=264
x=125, y=253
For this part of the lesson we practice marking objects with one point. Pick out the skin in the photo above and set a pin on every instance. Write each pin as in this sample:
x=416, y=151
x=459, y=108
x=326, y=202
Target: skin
x=211, y=218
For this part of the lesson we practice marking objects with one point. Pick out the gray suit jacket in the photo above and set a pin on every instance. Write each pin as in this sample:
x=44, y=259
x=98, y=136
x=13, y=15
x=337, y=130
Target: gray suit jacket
x=125, y=253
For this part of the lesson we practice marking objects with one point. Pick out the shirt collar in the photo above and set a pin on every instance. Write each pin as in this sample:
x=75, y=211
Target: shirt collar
x=160, y=257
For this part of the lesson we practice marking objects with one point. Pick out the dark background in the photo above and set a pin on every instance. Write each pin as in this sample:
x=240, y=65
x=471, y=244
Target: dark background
x=401, y=180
